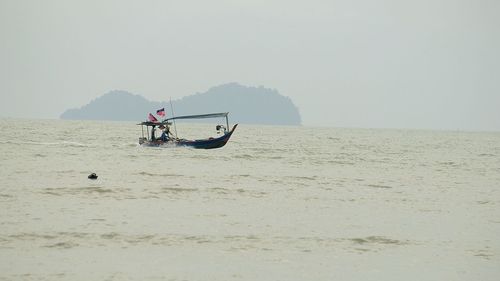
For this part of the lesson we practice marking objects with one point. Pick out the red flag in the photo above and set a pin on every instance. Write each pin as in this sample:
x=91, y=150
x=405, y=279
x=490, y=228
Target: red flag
x=161, y=112
x=152, y=118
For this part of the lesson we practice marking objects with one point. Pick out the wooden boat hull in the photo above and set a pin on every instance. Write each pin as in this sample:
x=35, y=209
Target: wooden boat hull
x=209, y=143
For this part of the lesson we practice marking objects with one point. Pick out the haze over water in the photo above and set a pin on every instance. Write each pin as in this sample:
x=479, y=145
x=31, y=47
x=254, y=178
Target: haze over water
x=276, y=203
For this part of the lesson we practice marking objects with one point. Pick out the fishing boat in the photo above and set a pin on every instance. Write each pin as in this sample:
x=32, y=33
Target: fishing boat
x=168, y=138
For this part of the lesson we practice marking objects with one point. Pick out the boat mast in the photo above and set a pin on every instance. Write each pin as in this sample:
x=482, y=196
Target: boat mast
x=173, y=116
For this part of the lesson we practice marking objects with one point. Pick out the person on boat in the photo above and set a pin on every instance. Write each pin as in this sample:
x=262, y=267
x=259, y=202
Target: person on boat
x=165, y=135
x=153, y=138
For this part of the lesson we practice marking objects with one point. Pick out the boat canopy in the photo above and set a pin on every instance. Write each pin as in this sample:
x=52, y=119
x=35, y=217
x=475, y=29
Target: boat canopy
x=202, y=116
x=149, y=123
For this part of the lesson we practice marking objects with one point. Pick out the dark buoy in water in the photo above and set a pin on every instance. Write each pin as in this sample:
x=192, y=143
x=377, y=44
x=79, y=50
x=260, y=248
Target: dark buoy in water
x=92, y=176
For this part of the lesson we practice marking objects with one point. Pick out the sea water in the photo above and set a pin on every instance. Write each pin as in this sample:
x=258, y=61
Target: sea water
x=276, y=203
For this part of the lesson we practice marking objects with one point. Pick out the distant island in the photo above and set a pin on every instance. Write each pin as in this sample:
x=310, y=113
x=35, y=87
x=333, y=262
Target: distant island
x=251, y=105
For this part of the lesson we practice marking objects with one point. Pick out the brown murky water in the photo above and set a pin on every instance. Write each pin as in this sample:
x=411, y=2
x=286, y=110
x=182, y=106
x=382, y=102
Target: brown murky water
x=277, y=203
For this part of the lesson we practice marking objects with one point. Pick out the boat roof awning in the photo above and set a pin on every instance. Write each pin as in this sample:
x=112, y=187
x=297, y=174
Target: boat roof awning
x=202, y=116
x=149, y=123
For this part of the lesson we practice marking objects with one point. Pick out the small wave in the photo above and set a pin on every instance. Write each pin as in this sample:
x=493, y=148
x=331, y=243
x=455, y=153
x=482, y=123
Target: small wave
x=379, y=186
x=430, y=210
x=111, y=235
x=75, y=144
x=227, y=242
x=449, y=163
x=377, y=240
x=483, y=202
x=62, y=245
x=158, y=175
x=178, y=189
x=482, y=253
x=220, y=190
x=486, y=155
x=137, y=239
x=63, y=143
x=31, y=236
x=75, y=191
x=340, y=162
x=313, y=178
x=239, y=176
x=96, y=189
x=240, y=191
x=74, y=234
x=275, y=157
x=244, y=156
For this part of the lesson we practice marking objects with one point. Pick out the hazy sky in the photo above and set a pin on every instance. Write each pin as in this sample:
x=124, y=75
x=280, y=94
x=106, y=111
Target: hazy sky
x=362, y=63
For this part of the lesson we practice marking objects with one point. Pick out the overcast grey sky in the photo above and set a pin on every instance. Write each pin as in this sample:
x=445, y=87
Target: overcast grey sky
x=363, y=63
